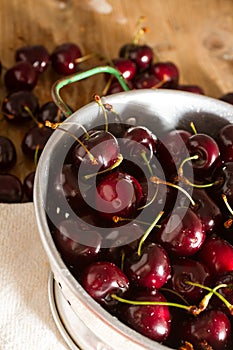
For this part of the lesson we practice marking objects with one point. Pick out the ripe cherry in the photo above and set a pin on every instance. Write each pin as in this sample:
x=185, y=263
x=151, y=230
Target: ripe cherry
x=50, y=112
x=223, y=177
x=34, y=140
x=7, y=153
x=195, y=89
x=11, y=189
x=22, y=76
x=167, y=72
x=141, y=55
x=228, y=97
x=28, y=185
x=225, y=143
x=64, y=58
x=15, y=106
x=150, y=269
x=126, y=67
x=37, y=55
x=145, y=80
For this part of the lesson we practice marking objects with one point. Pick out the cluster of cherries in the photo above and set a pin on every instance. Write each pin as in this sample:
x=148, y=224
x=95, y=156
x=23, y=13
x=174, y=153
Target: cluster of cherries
x=144, y=222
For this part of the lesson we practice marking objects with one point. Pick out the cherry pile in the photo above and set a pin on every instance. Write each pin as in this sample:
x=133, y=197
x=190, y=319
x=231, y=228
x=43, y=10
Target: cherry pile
x=144, y=222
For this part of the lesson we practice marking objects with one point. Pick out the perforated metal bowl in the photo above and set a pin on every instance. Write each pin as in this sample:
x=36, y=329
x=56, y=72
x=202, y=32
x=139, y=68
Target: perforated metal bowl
x=82, y=321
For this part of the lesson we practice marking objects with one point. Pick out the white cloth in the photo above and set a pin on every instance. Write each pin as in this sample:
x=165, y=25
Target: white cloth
x=26, y=321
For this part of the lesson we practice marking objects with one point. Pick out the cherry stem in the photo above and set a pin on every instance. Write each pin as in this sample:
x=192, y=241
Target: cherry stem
x=214, y=291
x=117, y=219
x=36, y=155
x=144, y=157
x=117, y=162
x=151, y=201
x=98, y=100
x=85, y=57
x=189, y=308
x=156, y=180
x=224, y=197
x=187, y=346
x=148, y=231
x=40, y=125
x=122, y=259
x=175, y=293
x=193, y=127
x=180, y=170
x=140, y=32
x=91, y=157
x=56, y=125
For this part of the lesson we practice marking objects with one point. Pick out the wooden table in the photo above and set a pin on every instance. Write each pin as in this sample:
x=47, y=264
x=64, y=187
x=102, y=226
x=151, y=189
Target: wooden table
x=197, y=35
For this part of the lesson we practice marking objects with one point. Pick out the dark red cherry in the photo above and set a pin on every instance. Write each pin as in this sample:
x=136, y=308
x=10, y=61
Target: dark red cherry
x=100, y=152
x=7, y=153
x=50, y=111
x=11, y=189
x=64, y=58
x=217, y=255
x=78, y=243
x=223, y=176
x=138, y=140
x=125, y=66
x=150, y=269
x=167, y=72
x=191, y=88
x=37, y=55
x=227, y=291
x=225, y=143
x=181, y=233
x=142, y=55
x=152, y=321
x=15, y=105
x=28, y=185
x=145, y=81
x=118, y=194
x=22, y=76
x=102, y=279
x=207, y=150
x=116, y=87
x=228, y=97
x=186, y=269
x=211, y=328
x=34, y=140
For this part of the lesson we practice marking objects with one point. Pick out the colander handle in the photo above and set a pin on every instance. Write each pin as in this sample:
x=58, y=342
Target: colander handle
x=79, y=76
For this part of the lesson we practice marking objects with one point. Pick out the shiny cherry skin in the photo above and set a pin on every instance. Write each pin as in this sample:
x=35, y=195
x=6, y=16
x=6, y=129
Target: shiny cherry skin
x=212, y=327
x=50, y=111
x=141, y=55
x=208, y=153
x=138, y=140
x=226, y=292
x=7, y=153
x=166, y=71
x=195, y=89
x=150, y=269
x=145, y=81
x=11, y=189
x=37, y=55
x=152, y=321
x=125, y=66
x=223, y=176
x=187, y=269
x=217, y=255
x=116, y=87
x=28, y=185
x=225, y=143
x=78, y=243
x=21, y=76
x=227, y=97
x=103, y=147
x=181, y=233
x=101, y=279
x=13, y=106
x=118, y=194
x=34, y=140
x=64, y=58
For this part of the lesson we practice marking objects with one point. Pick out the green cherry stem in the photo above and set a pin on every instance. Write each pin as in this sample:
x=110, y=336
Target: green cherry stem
x=99, y=102
x=146, y=234
x=40, y=125
x=117, y=162
x=180, y=170
x=224, y=197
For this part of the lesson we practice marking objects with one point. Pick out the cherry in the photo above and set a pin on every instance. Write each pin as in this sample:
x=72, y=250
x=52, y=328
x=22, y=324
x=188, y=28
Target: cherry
x=207, y=151
x=223, y=177
x=11, y=189
x=141, y=55
x=186, y=269
x=152, y=321
x=34, y=140
x=228, y=97
x=211, y=328
x=97, y=152
x=49, y=111
x=64, y=58
x=116, y=87
x=224, y=278
x=15, y=106
x=28, y=185
x=126, y=67
x=22, y=76
x=37, y=55
x=146, y=81
x=181, y=233
x=138, y=140
x=102, y=279
x=150, y=269
x=78, y=242
x=166, y=71
x=217, y=254
x=225, y=143
x=195, y=89
x=118, y=194
x=7, y=153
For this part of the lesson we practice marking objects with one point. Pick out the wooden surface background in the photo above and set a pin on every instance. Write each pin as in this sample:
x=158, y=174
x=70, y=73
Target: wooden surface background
x=197, y=35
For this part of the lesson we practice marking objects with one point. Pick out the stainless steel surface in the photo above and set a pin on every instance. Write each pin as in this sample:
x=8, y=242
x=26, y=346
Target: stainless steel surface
x=161, y=110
